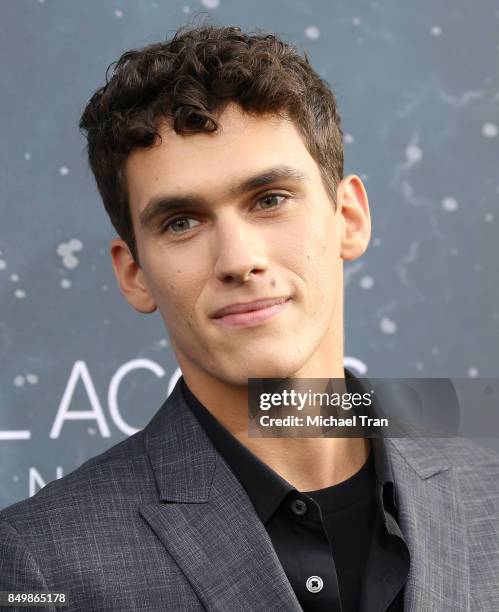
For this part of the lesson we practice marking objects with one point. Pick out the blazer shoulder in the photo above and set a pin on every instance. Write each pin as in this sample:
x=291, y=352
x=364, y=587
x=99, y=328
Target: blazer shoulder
x=476, y=466
x=454, y=451
x=465, y=453
x=428, y=456
x=118, y=474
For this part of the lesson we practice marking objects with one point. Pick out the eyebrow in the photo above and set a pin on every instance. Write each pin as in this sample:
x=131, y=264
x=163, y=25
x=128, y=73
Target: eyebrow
x=162, y=204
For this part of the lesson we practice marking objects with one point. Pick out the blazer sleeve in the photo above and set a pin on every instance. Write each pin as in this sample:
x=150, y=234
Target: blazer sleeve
x=18, y=569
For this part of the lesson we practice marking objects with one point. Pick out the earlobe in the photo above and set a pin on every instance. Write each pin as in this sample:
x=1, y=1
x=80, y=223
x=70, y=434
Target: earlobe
x=355, y=217
x=130, y=278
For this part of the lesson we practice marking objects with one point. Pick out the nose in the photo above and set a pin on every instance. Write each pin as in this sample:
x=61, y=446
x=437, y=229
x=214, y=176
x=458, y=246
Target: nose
x=239, y=250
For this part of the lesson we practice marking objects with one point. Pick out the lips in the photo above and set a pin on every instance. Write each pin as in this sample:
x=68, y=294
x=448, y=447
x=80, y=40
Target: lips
x=248, y=306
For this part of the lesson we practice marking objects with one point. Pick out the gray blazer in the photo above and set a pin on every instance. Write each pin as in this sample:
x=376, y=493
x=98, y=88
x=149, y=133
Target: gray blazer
x=159, y=522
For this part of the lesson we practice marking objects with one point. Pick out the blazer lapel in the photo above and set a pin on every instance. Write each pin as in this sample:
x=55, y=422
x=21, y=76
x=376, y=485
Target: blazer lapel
x=432, y=521
x=208, y=525
x=206, y=521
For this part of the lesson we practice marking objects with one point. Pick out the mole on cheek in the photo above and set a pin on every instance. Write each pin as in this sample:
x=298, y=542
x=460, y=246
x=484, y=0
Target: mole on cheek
x=272, y=282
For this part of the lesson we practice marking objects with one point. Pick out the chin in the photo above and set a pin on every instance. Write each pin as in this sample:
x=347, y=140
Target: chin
x=267, y=369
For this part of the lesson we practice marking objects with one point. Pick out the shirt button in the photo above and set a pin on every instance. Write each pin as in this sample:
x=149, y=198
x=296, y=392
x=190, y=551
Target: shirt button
x=299, y=507
x=314, y=584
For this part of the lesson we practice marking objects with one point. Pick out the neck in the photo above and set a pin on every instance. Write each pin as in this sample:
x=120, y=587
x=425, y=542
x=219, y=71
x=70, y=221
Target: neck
x=306, y=463
x=310, y=463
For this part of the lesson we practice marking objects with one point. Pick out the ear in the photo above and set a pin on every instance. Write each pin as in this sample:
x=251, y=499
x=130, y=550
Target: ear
x=353, y=206
x=130, y=277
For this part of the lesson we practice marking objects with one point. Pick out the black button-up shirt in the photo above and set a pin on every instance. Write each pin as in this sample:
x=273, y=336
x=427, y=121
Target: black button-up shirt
x=340, y=547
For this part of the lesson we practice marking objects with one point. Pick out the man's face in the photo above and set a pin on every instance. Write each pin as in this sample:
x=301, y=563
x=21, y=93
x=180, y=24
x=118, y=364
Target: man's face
x=280, y=239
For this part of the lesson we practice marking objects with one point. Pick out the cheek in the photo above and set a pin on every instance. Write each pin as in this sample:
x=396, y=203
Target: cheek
x=179, y=287
x=176, y=307
x=166, y=284
x=320, y=267
x=313, y=250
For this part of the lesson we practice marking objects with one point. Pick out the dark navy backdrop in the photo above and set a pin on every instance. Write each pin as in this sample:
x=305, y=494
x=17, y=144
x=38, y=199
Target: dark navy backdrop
x=418, y=88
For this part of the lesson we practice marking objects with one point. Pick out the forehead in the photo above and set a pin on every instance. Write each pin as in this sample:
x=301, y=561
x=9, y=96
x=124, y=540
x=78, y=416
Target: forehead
x=210, y=163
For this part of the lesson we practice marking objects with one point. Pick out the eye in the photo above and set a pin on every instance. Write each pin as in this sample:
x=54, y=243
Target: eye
x=179, y=222
x=272, y=196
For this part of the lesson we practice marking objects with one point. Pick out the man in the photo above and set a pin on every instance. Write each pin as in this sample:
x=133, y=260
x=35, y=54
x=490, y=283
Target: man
x=219, y=159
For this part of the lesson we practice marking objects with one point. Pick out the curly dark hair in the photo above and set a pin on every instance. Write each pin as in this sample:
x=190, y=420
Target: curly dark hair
x=188, y=80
